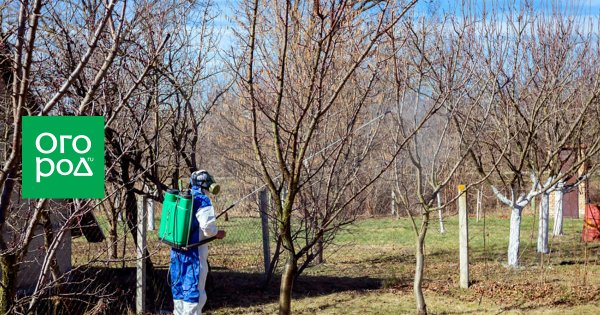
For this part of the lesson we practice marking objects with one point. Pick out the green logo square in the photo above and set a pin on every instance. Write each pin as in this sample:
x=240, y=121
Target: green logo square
x=63, y=157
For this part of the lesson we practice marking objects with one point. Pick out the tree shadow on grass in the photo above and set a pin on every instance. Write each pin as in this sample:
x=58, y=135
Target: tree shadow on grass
x=112, y=290
x=228, y=288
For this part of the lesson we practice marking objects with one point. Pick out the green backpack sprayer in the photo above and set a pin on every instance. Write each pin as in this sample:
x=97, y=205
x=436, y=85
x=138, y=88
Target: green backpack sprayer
x=177, y=216
x=176, y=219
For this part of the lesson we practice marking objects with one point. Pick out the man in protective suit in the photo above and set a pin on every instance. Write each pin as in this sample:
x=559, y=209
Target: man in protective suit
x=189, y=268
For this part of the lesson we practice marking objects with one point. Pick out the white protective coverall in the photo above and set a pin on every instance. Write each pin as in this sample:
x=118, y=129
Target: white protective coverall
x=189, y=268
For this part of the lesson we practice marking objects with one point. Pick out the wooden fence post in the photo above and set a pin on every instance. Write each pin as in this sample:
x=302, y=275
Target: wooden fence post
x=263, y=206
x=463, y=228
x=140, y=292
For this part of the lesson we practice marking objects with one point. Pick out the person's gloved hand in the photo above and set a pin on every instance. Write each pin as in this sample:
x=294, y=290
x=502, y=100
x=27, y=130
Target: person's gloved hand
x=221, y=234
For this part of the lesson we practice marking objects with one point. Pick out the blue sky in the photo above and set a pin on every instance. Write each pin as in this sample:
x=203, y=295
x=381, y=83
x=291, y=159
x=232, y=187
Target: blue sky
x=424, y=7
x=583, y=6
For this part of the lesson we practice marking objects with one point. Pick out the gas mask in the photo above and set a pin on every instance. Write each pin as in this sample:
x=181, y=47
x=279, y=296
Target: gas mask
x=204, y=180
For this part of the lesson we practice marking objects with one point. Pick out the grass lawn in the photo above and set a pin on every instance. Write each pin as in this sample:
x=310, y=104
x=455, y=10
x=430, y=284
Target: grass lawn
x=369, y=270
x=381, y=251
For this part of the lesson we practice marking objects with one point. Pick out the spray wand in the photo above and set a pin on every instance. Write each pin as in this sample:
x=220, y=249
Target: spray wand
x=306, y=159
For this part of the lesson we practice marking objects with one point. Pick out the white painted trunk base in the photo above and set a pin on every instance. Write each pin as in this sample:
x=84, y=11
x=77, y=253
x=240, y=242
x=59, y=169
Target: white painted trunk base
x=542, y=241
x=514, y=237
x=558, y=213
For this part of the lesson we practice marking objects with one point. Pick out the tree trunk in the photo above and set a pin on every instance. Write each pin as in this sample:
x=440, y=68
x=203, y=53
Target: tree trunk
x=515, y=237
x=48, y=239
x=542, y=242
x=8, y=283
x=287, y=283
x=558, y=212
x=113, y=235
x=320, y=259
x=418, y=281
x=7, y=190
x=319, y=245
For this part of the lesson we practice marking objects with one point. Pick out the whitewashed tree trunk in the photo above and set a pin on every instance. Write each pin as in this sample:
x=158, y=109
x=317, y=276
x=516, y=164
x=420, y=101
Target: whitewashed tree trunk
x=558, y=210
x=515, y=236
x=439, y=202
x=517, y=205
x=542, y=242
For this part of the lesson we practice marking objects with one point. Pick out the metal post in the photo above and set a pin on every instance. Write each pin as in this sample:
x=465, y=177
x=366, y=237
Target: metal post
x=118, y=207
x=478, y=205
x=393, y=203
x=151, y=226
x=263, y=205
x=463, y=228
x=439, y=203
x=140, y=293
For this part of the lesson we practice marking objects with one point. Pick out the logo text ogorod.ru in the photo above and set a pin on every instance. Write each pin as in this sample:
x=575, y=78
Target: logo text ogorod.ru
x=63, y=157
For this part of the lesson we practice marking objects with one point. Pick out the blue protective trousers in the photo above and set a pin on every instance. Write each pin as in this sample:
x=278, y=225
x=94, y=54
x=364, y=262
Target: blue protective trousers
x=189, y=269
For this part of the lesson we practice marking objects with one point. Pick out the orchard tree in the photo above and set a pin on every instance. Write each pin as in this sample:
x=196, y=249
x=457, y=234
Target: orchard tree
x=545, y=68
x=145, y=67
x=435, y=82
x=301, y=60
